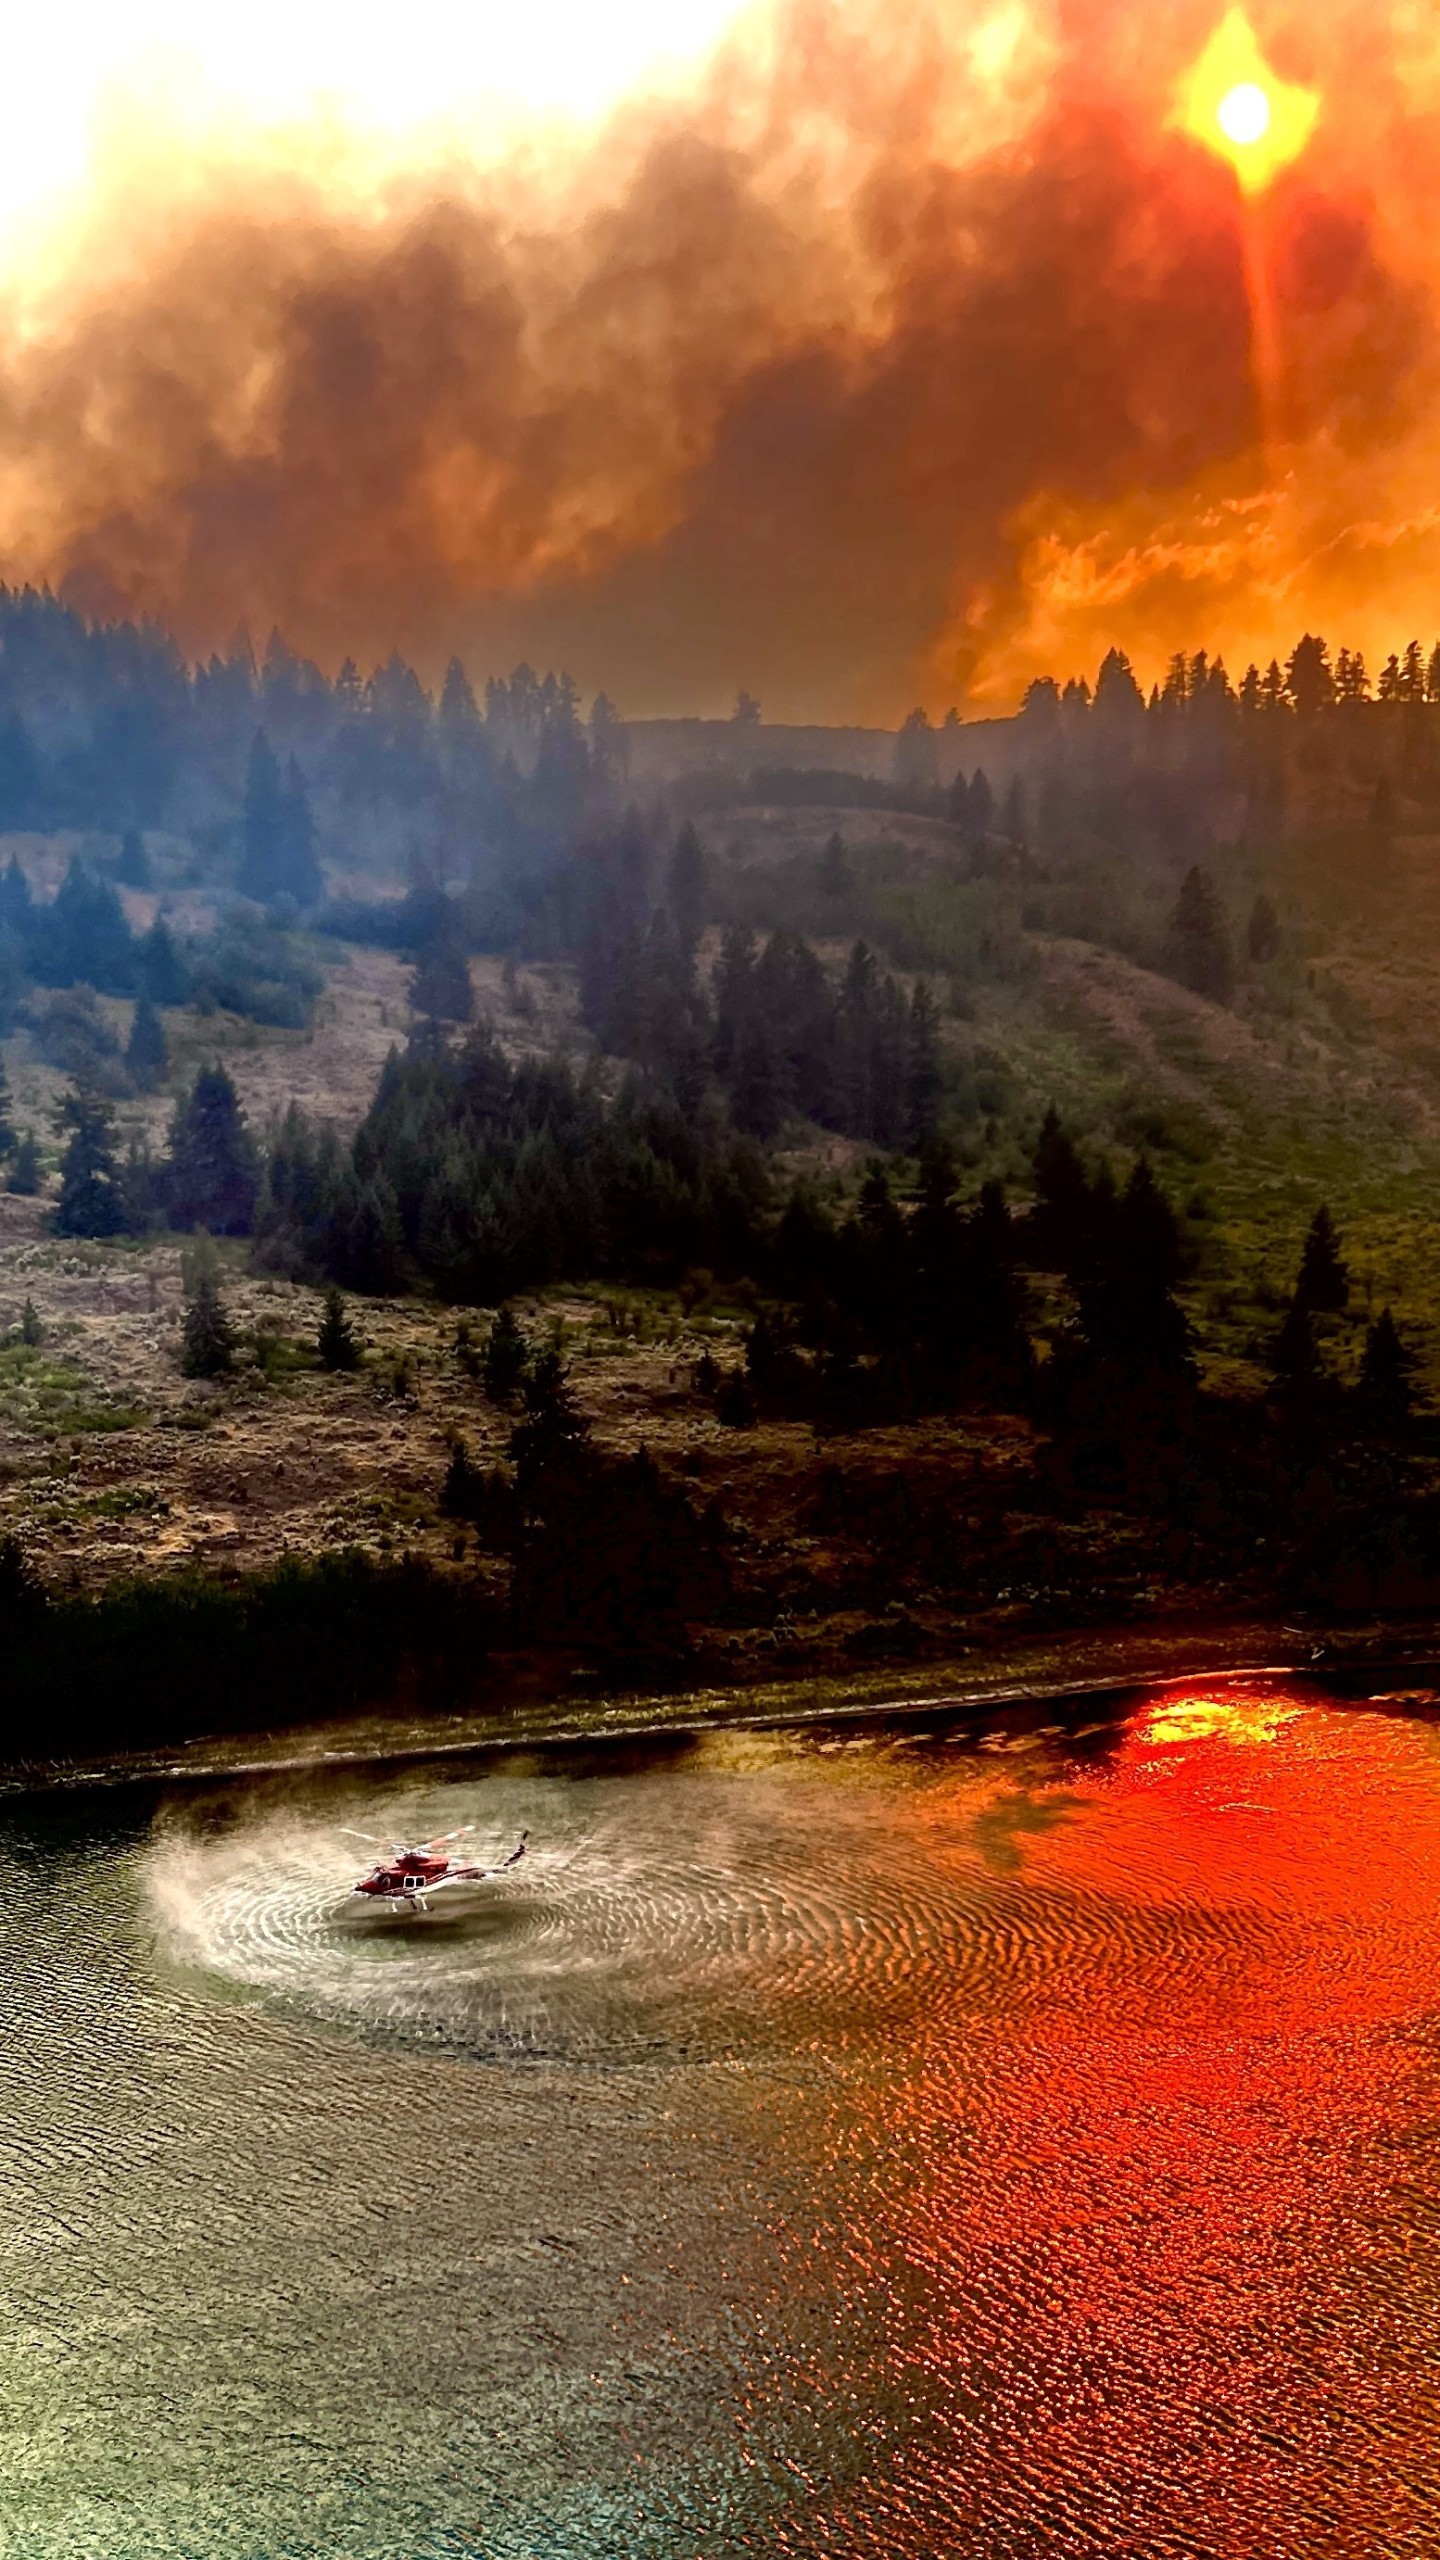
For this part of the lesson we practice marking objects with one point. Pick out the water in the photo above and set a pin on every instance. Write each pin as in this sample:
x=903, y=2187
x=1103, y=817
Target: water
x=828, y=2143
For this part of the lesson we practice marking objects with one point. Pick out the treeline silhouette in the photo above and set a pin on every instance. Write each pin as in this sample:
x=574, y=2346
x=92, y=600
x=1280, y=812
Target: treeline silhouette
x=154, y=1660
x=106, y=726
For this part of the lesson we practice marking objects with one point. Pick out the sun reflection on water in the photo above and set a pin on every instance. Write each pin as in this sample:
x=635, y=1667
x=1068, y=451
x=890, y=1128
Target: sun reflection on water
x=1245, y=1717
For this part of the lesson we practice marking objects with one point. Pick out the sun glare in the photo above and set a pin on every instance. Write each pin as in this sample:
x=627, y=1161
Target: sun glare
x=1243, y=114
x=1241, y=1717
x=1234, y=103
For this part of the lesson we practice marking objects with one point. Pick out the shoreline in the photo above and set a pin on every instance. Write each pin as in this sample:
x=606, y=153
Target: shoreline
x=1085, y=1665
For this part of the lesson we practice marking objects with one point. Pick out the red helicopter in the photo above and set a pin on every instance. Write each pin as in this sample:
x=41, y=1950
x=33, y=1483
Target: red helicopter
x=415, y=1877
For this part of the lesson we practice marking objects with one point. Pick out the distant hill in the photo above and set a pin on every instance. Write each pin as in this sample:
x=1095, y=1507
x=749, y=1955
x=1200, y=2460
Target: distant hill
x=662, y=750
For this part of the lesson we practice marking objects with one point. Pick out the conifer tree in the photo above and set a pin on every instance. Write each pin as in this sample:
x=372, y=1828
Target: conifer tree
x=1323, y=1286
x=82, y=938
x=463, y=1492
x=440, y=988
x=25, y=1171
x=277, y=832
x=147, y=1053
x=1062, y=1193
x=305, y=880
x=337, y=1342
x=507, y=1356
x=32, y=1332
x=208, y=1336
x=91, y=1199
x=1013, y=815
x=981, y=812
x=212, y=1174
x=553, y=1432
x=163, y=974
x=8, y=1133
x=685, y=891
x=23, y=1597
x=1199, y=939
x=924, y=1073
x=1387, y=1373
x=1148, y=1232
x=1294, y=1358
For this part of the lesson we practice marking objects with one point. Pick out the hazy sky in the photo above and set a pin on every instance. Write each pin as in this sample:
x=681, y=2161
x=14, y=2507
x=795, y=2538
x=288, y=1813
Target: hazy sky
x=857, y=354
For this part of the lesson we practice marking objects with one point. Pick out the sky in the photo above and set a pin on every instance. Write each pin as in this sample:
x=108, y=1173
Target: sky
x=858, y=354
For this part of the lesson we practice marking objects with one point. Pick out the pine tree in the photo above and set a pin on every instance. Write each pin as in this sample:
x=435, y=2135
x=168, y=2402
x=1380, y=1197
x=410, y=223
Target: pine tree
x=924, y=1073
x=212, y=1174
x=25, y=1171
x=263, y=824
x=32, y=1332
x=163, y=974
x=278, y=832
x=686, y=889
x=1062, y=1194
x=553, y=1433
x=23, y=1597
x=305, y=881
x=440, y=988
x=1262, y=934
x=1199, y=939
x=982, y=803
x=1147, y=1228
x=1294, y=1359
x=91, y=1200
x=208, y=1336
x=8, y=1133
x=916, y=762
x=147, y=1053
x=1387, y=1373
x=462, y=1495
x=507, y=1357
x=1323, y=1286
x=337, y=1341
x=82, y=938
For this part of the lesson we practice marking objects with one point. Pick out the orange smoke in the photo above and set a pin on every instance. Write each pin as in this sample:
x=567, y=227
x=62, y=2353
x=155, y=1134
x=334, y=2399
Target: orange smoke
x=903, y=354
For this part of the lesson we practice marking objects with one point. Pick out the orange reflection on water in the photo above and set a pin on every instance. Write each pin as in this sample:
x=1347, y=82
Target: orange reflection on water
x=1157, y=2202
x=1228, y=1715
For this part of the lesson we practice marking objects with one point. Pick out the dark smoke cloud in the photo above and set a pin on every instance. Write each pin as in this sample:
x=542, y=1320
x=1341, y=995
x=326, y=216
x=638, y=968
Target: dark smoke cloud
x=734, y=422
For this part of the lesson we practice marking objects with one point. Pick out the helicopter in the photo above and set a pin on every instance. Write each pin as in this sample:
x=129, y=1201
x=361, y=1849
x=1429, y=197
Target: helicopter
x=415, y=1876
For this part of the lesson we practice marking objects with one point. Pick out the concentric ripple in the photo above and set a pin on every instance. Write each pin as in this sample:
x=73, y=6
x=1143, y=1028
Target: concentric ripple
x=807, y=1895
x=883, y=2145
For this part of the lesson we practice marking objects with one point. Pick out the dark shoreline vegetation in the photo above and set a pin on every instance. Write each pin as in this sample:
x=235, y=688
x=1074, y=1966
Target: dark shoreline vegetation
x=961, y=1363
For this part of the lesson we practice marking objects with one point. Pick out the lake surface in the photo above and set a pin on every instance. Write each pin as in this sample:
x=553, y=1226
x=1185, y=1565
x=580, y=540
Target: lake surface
x=834, y=2142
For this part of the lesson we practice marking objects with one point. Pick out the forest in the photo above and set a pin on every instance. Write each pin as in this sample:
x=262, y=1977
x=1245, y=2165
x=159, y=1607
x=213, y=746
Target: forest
x=927, y=1112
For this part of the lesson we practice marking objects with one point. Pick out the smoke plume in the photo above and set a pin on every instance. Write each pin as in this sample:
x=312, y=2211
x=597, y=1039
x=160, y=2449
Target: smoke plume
x=908, y=355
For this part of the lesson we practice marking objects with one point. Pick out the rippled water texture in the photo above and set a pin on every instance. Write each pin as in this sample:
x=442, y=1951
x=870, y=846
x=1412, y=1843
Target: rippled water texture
x=834, y=2143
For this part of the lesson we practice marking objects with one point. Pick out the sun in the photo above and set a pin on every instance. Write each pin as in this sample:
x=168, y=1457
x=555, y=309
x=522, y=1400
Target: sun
x=1236, y=105
x=1243, y=114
